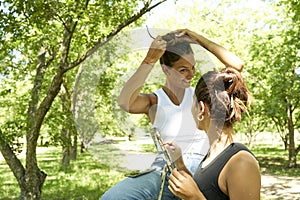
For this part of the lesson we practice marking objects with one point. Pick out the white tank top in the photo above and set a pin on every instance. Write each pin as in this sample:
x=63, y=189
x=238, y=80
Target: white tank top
x=176, y=123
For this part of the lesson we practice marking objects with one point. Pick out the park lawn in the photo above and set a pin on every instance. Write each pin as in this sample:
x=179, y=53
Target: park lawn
x=87, y=178
x=92, y=174
x=273, y=160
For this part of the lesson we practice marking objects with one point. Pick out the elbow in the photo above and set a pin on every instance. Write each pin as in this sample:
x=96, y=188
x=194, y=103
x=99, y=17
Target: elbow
x=240, y=66
x=123, y=105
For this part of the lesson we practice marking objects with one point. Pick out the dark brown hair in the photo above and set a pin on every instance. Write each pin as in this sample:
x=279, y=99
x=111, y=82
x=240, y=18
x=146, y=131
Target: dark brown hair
x=176, y=48
x=225, y=93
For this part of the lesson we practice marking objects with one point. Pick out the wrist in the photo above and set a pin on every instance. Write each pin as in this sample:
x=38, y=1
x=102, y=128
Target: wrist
x=148, y=62
x=180, y=164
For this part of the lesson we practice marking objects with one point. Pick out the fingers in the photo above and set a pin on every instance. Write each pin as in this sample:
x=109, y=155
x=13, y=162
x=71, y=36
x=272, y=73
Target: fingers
x=168, y=143
x=175, y=175
x=173, y=188
x=185, y=35
x=178, y=177
x=181, y=32
x=162, y=44
x=159, y=44
x=156, y=50
x=170, y=147
x=177, y=183
x=174, y=180
x=173, y=148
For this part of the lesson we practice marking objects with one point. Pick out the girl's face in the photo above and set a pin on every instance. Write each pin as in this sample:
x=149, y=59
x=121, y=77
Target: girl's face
x=182, y=71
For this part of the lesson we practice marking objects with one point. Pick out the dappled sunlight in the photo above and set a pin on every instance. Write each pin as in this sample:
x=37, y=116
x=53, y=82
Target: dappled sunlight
x=125, y=155
x=89, y=178
x=280, y=187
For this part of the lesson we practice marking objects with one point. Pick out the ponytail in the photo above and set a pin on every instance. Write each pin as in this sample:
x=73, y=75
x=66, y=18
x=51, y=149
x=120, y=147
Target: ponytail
x=225, y=93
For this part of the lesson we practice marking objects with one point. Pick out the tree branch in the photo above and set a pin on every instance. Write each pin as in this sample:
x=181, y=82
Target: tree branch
x=11, y=159
x=38, y=81
x=114, y=32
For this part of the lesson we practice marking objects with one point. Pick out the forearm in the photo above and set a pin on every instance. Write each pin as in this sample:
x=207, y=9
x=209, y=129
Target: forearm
x=133, y=86
x=131, y=89
x=179, y=163
x=228, y=58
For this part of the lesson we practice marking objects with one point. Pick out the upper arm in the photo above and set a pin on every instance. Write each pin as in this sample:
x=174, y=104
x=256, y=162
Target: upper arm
x=141, y=104
x=243, y=177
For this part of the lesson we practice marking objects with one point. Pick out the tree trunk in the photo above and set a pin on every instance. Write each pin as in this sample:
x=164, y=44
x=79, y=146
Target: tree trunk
x=66, y=158
x=32, y=183
x=69, y=133
x=292, y=152
x=82, y=147
x=285, y=143
x=74, y=146
x=32, y=180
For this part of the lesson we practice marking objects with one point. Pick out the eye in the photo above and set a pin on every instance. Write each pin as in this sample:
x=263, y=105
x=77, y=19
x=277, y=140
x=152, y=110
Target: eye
x=186, y=69
x=183, y=70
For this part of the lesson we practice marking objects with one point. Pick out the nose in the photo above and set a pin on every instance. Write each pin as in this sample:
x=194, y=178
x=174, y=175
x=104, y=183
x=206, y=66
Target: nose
x=191, y=74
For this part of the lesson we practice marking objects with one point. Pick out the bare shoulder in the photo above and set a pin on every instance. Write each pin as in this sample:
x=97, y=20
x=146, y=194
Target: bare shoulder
x=241, y=164
x=244, y=156
x=243, y=176
x=243, y=161
x=152, y=98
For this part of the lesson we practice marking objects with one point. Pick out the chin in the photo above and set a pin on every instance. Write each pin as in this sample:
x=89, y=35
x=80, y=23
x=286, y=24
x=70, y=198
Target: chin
x=186, y=85
x=201, y=128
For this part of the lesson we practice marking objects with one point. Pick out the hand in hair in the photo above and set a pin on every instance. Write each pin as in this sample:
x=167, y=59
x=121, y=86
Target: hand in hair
x=228, y=58
x=156, y=50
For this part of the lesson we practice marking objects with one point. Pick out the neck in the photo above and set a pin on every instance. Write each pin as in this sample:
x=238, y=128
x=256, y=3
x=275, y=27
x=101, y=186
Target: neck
x=219, y=139
x=176, y=94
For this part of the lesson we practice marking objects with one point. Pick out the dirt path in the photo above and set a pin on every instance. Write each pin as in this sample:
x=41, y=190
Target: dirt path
x=280, y=187
x=273, y=187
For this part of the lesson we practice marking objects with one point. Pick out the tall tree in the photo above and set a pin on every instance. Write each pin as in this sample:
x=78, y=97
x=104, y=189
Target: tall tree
x=275, y=56
x=41, y=41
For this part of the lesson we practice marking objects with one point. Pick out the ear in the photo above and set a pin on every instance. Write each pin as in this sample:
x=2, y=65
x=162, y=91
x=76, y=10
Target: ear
x=201, y=107
x=165, y=69
x=206, y=109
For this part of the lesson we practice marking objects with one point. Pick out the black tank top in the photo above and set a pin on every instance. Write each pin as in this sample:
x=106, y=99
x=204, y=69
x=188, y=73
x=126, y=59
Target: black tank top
x=207, y=177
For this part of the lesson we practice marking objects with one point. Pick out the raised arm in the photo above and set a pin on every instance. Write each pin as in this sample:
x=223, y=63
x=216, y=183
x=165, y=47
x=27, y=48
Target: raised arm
x=130, y=98
x=228, y=58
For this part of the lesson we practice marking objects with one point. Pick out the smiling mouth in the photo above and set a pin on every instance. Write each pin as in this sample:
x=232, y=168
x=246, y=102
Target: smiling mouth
x=186, y=81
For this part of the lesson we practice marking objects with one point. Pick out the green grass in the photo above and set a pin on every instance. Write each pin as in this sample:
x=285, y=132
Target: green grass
x=97, y=170
x=88, y=178
x=273, y=160
x=148, y=148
